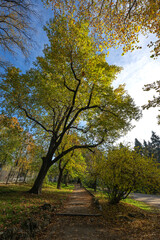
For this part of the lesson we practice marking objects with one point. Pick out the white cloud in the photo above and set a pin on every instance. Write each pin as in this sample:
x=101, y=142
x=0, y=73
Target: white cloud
x=139, y=69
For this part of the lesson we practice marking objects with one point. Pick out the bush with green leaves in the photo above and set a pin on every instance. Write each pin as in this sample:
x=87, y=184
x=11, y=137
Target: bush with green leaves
x=126, y=170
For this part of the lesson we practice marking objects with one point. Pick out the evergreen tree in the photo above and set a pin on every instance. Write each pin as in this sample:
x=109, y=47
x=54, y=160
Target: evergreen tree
x=150, y=148
x=155, y=142
x=138, y=146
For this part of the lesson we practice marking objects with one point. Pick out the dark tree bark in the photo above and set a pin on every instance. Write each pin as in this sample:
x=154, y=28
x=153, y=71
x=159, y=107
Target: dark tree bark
x=8, y=177
x=61, y=170
x=60, y=179
x=95, y=185
x=37, y=187
x=66, y=179
x=19, y=172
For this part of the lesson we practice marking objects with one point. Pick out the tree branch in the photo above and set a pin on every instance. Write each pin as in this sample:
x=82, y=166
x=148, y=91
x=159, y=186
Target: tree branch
x=130, y=8
x=73, y=99
x=76, y=147
x=74, y=73
x=71, y=90
x=80, y=129
x=33, y=119
x=90, y=97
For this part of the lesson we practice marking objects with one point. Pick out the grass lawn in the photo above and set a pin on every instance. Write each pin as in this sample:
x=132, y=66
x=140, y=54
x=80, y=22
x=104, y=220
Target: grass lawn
x=138, y=204
x=17, y=205
x=103, y=196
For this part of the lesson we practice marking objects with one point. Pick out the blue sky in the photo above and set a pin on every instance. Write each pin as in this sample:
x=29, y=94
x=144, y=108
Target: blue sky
x=138, y=69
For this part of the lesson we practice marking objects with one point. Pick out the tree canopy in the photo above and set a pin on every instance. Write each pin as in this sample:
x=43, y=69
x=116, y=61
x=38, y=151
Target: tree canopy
x=11, y=135
x=150, y=148
x=69, y=89
x=17, y=147
x=126, y=170
x=114, y=23
x=95, y=161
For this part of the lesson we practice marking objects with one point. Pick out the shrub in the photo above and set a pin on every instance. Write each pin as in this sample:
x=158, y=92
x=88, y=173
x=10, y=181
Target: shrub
x=126, y=170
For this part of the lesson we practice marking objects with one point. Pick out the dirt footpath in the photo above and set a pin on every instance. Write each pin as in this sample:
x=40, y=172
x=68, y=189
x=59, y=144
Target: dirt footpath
x=80, y=203
x=78, y=220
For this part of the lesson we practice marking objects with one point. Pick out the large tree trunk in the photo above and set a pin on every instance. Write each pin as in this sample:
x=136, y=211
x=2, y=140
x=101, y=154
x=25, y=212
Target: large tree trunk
x=59, y=178
x=19, y=171
x=8, y=177
x=37, y=187
x=24, y=180
x=95, y=185
x=66, y=179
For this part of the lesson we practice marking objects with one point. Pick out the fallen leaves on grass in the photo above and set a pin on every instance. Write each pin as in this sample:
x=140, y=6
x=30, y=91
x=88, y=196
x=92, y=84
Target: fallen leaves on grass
x=17, y=205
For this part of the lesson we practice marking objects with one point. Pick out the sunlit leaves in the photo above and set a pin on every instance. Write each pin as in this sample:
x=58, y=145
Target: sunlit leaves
x=69, y=85
x=17, y=147
x=113, y=23
x=126, y=170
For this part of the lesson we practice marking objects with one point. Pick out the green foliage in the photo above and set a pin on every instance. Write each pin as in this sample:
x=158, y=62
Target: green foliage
x=11, y=135
x=46, y=88
x=94, y=164
x=127, y=170
x=17, y=147
x=70, y=84
x=114, y=23
x=138, y=204
x=150, y=148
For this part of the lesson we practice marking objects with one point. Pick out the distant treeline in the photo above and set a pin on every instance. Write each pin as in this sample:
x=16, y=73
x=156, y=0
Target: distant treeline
x=149, y=148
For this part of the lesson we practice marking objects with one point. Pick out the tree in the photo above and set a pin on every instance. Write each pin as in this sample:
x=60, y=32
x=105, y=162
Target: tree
x=156, y=99
x=150, y=148
x=155, y=143
x=94, y=165
x=71, y=165
x=138, y=146
x=115, y=23
x=11, y=135
x=126, y=171
x=17, y=146
x=70, y=160
x=69, y=86
x=15, y=26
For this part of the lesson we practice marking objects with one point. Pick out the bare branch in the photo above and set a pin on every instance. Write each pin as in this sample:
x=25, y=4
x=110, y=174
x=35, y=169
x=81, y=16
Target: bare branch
x=62, y=120
x=33, y=119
